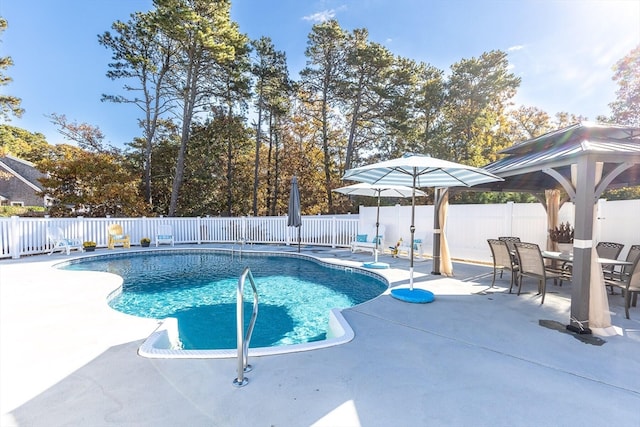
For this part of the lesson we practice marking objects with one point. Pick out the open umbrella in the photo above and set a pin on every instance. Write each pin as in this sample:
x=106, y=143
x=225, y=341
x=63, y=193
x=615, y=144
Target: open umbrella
x=365, y=189
x=294, y=218
x=416, y=171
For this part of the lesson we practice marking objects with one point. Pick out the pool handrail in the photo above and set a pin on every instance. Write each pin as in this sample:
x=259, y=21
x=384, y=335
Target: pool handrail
x=244, y=339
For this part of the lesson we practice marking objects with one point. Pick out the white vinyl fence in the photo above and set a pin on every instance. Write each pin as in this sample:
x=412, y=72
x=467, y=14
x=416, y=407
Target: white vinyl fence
x=28, y=236
x=467, y=228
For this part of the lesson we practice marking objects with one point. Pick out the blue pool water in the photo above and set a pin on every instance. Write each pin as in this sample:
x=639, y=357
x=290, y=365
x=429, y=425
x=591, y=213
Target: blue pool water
x=199, y=289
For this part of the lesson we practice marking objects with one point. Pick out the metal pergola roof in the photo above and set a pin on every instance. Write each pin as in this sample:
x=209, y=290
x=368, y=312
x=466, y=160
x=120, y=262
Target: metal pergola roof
x=533, y=165
x=583, y=159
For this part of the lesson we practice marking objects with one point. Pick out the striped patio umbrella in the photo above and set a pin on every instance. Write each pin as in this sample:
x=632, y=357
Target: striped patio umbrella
x=416, y=171
x=365, y=189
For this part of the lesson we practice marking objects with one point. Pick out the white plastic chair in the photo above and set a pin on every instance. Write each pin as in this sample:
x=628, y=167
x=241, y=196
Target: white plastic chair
x=56, y=236
x=164, y=234
x=367, y=242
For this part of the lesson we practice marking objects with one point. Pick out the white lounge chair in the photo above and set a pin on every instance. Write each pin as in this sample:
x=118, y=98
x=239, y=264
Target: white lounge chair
x=56, y=236
x=164, y=234
x=367, y=242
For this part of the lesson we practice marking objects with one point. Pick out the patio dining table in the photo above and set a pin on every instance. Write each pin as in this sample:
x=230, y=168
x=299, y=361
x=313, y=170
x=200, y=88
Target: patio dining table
x=568, y=258
x=599, y=316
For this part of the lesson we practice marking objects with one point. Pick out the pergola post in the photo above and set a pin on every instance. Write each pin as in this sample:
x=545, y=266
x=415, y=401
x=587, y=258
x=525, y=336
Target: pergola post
x=582, y=244
x=437, y=231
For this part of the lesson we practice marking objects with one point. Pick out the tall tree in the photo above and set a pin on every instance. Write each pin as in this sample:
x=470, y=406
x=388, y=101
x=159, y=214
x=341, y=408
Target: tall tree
x=300, y=155
x=231, y=84
x=626, y=108
x=326, y=67
x=141, y=53
x=205, y=38
x=279, y=98
x=363, y=91
x=398, y=133
x=478, y=92
x=272, y=88
x=428, y=109
x=420, y=104
x=9, y=105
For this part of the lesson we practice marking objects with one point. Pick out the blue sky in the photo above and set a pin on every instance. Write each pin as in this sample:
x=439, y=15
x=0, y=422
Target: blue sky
x=562, y=49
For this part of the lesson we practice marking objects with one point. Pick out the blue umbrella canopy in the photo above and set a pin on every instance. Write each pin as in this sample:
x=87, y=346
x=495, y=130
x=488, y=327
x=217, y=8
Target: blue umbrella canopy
x=294, y=217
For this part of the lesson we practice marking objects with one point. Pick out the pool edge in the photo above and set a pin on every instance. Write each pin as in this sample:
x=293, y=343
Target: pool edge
x=155, y=346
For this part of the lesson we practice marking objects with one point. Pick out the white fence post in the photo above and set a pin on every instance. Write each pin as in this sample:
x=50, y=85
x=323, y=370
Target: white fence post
x=146, y=232
x=243, y=231
x=508, y=220
x=334, y=231
x=287, y=232
x=14, y=237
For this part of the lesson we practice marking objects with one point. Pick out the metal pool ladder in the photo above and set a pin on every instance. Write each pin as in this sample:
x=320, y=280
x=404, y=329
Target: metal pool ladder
x=240, y=243
x=242, y=339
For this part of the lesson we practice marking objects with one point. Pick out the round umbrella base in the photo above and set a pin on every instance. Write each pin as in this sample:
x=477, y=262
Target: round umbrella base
x=375, y=264
x=418, y=296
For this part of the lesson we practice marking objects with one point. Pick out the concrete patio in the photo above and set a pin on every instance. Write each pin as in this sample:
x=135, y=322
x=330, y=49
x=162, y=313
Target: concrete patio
x=477, y=356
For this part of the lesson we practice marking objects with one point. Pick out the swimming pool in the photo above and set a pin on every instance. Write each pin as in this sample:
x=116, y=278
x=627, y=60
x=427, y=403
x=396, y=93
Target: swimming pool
x=196, y=290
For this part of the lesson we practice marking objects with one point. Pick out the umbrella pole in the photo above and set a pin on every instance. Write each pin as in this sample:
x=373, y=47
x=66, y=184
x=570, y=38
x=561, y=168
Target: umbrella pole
x=375, y=253
x=412, y=229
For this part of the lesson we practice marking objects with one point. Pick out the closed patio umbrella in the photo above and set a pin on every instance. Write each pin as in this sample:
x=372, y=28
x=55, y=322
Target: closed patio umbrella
x=365, y=189
x=417, y=171
x=294, y=217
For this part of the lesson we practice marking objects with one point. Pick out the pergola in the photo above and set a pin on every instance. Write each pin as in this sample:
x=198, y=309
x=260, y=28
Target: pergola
x=583, y=159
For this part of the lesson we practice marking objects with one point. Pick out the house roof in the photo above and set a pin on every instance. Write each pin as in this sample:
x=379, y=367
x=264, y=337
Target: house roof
x=525, y=165
x=23, y=170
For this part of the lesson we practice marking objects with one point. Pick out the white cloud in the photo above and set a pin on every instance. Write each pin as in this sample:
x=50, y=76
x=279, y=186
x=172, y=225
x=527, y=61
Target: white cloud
x=323, y=16
x=515, y=48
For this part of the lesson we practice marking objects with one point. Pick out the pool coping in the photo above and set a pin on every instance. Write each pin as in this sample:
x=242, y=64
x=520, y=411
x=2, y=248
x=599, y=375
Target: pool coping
x=155, y=346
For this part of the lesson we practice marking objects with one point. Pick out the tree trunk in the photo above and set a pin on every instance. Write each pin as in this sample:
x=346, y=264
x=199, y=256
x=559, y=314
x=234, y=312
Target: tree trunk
x=277, y=167
x=257, y=161
x=229, y=166
x=177, y=180
x=187, y=115
x=325, y=148
x=270, y=204
x=352, y=128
